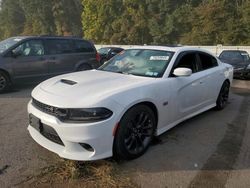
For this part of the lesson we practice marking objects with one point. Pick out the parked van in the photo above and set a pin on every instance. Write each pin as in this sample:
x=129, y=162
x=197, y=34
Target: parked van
x=36, y=58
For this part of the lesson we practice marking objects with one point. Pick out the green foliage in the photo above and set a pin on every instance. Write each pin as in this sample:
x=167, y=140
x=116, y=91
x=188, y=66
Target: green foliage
x=11, y=18
x=67, y=16
x=98, y=17
x=40, y=17
x=161, y=22
x=194, y=22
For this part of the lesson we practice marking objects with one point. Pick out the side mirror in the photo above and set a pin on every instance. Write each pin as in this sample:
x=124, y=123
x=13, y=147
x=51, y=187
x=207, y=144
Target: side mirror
x=182, y=72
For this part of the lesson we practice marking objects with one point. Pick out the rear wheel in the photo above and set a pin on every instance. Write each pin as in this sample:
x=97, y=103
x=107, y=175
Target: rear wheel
x=4, y=82
x=223, y=96
x=135, y=133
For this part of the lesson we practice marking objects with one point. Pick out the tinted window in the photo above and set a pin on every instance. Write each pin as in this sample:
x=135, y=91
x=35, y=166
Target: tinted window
x=245, y=56
x=117, y=50
x=59, y=46
x=6, y=44
x=188, y=61
x=83, y=46
x=30, y=48
x=230, y=55
x=207, y=61
x=104, y=51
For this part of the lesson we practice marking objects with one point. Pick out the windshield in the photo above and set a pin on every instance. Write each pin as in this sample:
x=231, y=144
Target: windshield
x=140, y=62
x=103, y=50
x=6, y=44
x=235, y=55
x=245, y=56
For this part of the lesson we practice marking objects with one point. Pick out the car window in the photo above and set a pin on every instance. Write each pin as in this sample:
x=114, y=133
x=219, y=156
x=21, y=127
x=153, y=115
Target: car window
x=188, y=61
x=83, y=46
x=8, y=43
x=245, y=56
x=30, y=48
x=140, y=62
x=59, y=46
x=117, y=50
x=207, y=61
x=230, y=55
x=104, y=51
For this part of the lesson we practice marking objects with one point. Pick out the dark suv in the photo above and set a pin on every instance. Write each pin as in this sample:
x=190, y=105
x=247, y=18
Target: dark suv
x=240, y=60
x=33, y=59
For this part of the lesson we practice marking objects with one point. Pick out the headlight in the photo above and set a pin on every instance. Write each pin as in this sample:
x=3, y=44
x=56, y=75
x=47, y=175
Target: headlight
x=248, y=67
x=87, y=115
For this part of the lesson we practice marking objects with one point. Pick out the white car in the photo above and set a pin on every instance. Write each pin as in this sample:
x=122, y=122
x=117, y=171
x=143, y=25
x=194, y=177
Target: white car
x=118, y=109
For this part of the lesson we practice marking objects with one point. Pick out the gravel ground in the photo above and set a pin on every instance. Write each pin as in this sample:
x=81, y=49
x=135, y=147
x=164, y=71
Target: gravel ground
x=210, y=150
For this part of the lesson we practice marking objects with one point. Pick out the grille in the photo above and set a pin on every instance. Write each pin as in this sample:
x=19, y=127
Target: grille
x=49, y=133
x=57, y=112
x=44, y=107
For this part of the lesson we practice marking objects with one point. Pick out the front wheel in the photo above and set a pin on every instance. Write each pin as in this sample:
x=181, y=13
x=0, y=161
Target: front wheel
x=223, y=96
x=4, y=82
x=135, y=133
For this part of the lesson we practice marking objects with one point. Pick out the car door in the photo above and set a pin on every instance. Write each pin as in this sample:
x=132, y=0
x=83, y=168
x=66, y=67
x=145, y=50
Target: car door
x=213, y=77
x=60, y=56
x=85, y=54
x=188, y=92
x=28, y=62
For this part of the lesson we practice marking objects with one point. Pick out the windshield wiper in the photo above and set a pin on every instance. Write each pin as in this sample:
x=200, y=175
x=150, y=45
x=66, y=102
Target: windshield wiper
x=121, y=72
x=126, y=73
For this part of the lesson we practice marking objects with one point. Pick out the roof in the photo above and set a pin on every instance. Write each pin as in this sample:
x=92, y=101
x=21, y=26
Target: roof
x=234, y=51
x=111, y=47
x=48, y=36
x=171, y=49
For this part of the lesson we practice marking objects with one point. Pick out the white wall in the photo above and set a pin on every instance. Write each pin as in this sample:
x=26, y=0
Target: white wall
x=214, y=49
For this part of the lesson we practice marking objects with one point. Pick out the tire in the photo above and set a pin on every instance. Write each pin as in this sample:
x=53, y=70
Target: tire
x=4, y=82
x=223, y=96
x=135, y=133
x=84, y=67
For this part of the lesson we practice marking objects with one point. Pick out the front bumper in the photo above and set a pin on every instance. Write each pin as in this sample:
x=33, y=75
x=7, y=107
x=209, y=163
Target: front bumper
x=98, y=135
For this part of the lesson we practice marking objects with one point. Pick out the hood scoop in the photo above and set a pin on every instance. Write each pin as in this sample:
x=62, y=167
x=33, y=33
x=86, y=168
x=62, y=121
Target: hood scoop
x=69, y=82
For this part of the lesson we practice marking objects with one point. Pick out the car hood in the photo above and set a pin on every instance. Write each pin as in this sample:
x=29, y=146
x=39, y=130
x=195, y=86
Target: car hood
x=89, y=85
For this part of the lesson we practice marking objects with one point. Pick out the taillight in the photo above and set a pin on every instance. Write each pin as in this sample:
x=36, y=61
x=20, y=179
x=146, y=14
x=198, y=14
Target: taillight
x=98, y=57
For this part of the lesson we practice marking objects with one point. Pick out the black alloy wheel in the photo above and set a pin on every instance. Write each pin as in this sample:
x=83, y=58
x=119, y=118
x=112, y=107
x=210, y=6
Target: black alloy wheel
x=135, y=133
x=223, y=96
